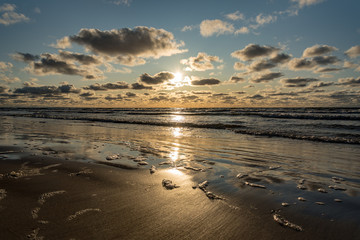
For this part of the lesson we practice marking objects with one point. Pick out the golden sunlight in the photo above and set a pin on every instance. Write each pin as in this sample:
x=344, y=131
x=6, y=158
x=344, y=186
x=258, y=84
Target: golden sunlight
x=176, y=132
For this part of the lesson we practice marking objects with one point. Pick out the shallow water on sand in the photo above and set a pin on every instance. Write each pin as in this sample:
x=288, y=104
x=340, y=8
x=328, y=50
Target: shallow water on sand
x=285, y=168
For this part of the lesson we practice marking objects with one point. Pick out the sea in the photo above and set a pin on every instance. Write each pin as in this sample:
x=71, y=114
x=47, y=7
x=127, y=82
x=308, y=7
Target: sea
x=312, y=154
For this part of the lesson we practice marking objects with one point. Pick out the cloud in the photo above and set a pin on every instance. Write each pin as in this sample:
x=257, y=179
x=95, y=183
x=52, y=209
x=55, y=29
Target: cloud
x=62, y=43
x=201, y=82
x=308, y=64
x=318, y=50
x=81, y=58
x=4, y=67
x=326, y=69
x=4, y=78
x=114, y=98
x=158, y=78
x=139, y=86
x=141, y=42
x=61, y=64
x=25, y=57
x=47, y=90
x=218, y=27
x=122, y=2
x=261, y=65
x=304, y=3
x=353, y=52
x=129, y=60
x=262, y=20
x=10, y=16
x=107, y=86
x=235, y=16
x=3, y=89
x=239, y=66
x=201, y=62
x=267, y=77
x=297, y=82
x=242, y=30
x=235, y=79
x=352, y=82
x=187, y=28
x=252, y=51
x=320, y=85
x=280, y=58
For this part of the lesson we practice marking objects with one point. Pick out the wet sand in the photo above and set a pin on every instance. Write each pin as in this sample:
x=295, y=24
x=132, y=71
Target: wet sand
x=44, y=197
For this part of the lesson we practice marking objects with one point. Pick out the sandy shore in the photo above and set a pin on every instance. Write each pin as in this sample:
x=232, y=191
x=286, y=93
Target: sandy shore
x=50, y=198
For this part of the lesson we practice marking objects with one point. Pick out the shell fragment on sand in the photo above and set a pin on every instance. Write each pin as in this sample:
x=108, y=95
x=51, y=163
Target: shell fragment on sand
x=81, y=212
x=203, y=185
x=322, y=190
x=112, y=157
x=2, y=194
x=142, y=163
x=285, y=204
x=301, y=199
x=335, y=187
x=168, y=184
x=241, y=175
x=337, y=200
x=284, y=222
x=300, y=186
x=45, y=196
x=320, y=203
x=152, y=169
x=255, y=185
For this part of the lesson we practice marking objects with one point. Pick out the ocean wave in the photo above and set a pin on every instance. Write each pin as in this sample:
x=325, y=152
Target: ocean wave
x=344, y=138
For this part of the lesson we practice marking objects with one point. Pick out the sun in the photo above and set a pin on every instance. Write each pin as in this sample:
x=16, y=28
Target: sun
x=177, y=80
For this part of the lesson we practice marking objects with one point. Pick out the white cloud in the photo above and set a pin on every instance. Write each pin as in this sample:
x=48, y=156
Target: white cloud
x=10, y=16
x=304, y=3
x=242, y=30
x=353, y=52
x=235, y=16
x=218, y=27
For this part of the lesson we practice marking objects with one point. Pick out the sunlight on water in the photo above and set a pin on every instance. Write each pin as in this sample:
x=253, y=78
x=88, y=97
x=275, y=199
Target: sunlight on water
x=178, y=118
x=174, y=154
x=175, y=171
x=176, y=132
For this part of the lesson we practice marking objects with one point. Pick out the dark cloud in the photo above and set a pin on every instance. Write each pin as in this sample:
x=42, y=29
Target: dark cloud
x=159, y=98
x=114, y=98
x=318, y=50
x=267, y=77
x=325, y=69
x=157, y=78
x=236, y=79
x=47, y=90
x=53, y=64
x=25, y=57
x=130, y=60
x=3, y=89
x=81, y=58
x=325, y=60
x=261, y=65
x=139, y=86
x=256, y=97
x=130, y=94
x=252, y=51
x=321, y=85
x=107, y=86
x=201, y=62
x=139, y=42
x=280, y=58
x=210, y=81
x=307, y=64
x=201, y=92
x=87, y=94
x=352, y=82
x=297, y=82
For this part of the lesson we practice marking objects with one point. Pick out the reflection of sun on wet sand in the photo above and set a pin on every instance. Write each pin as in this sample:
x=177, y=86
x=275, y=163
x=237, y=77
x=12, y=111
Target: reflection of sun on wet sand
x=46, y=198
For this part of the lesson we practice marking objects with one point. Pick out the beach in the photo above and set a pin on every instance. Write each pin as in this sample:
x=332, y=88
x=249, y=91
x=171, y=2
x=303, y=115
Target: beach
x=77, y=179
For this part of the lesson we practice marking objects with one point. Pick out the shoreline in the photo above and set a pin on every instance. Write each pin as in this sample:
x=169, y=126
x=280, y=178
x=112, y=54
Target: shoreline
x=54, y=198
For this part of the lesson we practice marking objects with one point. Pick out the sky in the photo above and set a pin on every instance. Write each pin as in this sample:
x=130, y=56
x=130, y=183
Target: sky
x=166, y=53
